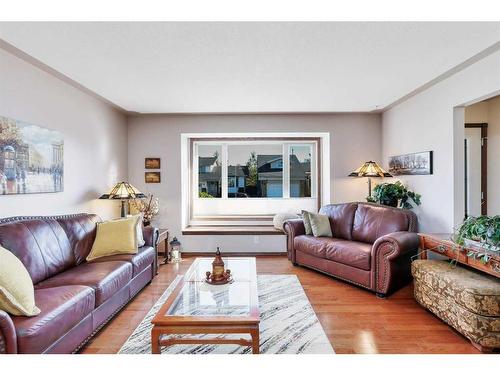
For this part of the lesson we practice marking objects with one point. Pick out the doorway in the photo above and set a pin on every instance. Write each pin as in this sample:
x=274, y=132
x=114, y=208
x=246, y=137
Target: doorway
x=476, y=169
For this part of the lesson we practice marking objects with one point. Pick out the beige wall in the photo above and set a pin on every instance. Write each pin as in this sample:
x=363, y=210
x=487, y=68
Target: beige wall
x=354, y=138
x=433, y=120
x=95, y=139
x=489, y=112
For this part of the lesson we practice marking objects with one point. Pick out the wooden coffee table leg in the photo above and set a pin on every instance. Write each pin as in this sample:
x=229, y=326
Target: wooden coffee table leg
x=155, y=341
x=255, y=340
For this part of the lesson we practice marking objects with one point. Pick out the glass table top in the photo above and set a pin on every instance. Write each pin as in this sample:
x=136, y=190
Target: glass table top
x=197, y=298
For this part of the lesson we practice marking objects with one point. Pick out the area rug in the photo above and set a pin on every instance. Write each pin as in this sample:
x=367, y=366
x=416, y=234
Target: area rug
x=288, y=324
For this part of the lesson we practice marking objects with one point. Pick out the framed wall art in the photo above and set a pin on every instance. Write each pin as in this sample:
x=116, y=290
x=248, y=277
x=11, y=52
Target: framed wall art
x=31, y=158
x=152, y=177
x=418, y=163
x=152, y=163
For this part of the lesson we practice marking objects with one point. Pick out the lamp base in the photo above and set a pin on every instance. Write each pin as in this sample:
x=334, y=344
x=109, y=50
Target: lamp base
x=124, y=208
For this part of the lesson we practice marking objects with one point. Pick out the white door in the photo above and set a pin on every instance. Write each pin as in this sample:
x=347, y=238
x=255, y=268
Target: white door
x=473, y=171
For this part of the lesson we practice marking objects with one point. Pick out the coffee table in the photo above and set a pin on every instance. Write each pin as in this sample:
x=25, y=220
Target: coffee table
x=195, y=308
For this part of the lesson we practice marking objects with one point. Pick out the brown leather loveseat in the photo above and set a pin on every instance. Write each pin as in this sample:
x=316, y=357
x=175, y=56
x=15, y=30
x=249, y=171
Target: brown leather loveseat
x=372, y=245
x=76, y=298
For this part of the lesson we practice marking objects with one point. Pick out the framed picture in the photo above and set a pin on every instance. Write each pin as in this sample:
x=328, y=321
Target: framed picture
x=418, y=163
x=152, y=163
x=152, y=177
x=31, y=158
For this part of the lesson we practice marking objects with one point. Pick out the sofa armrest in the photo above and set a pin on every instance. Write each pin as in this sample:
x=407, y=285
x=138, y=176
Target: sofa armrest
x=293, y=228
x=391, y=260
x=150, y=236
x=8, y=337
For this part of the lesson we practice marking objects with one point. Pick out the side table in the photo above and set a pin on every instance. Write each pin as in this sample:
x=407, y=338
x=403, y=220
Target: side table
x=162, y=238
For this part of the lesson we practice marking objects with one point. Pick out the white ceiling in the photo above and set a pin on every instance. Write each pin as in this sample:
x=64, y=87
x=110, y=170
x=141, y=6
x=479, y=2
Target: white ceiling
x=251, y=67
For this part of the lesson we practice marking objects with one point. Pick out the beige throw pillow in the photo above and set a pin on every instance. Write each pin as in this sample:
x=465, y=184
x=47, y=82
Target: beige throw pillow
x=115, y=237
x=280, y=219
x=140, y=235
x=307, y=222
x=320, y=225
x=17, y=295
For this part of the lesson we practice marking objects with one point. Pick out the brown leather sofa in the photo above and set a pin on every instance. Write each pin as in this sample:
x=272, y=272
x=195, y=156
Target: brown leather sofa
x=372, y=245
x=76, y=298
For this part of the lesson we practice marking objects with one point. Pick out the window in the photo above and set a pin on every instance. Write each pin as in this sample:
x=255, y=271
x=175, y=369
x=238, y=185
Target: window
x=255, y=170
x=254, y=177
x=209, y=171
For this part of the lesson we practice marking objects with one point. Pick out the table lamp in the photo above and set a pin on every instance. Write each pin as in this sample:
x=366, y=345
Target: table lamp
x=370, y=169
x=123, y=191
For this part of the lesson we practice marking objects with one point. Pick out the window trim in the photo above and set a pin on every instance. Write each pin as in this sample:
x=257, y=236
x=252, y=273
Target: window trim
x=322, y=162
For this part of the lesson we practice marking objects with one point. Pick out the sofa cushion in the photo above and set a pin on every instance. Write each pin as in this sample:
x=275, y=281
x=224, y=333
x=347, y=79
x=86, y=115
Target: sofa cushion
x=351, y=253
x=81, y=231
x=62, y=308
x=106, y=278
x=315, y=246
x=41, y=245
x=341, y=218
x=140, y=261
x=372, y=222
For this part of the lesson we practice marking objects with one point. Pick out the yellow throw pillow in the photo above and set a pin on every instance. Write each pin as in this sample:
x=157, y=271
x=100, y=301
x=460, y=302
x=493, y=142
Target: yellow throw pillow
x=17, y=295
x=115, y=237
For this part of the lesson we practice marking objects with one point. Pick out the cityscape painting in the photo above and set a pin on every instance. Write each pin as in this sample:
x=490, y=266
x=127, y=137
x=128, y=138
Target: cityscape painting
x=31, y=158
x=418, y=163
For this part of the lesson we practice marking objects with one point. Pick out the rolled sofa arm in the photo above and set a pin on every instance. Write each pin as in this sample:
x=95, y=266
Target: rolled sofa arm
x=391, y=260
x=150, y=236
x=293, y=228
x=8, y=337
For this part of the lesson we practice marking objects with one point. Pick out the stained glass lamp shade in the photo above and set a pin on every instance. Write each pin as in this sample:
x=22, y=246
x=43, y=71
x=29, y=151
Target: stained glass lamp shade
x=370, y=169
x=123, y=191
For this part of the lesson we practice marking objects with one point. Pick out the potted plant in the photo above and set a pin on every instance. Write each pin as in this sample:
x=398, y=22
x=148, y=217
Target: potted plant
x=480, y=233
x=394, y=195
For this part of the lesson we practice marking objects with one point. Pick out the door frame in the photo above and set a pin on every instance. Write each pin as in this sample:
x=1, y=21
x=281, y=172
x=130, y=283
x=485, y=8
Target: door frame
x=484, y=164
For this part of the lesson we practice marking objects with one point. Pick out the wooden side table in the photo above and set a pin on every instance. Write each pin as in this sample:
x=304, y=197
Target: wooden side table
x=440, y=244
x=162, y=238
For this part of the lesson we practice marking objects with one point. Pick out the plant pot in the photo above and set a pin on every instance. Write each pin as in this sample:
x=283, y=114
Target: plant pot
x=390, y=202
x=480, y=246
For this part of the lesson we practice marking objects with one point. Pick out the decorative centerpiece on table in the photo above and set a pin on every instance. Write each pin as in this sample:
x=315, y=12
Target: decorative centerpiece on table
x=219, y=275
x=148, y=207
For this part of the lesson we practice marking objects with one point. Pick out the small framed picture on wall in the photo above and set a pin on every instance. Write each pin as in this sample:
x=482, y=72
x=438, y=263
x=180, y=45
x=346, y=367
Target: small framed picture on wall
x=152, y=177
x=152, y=163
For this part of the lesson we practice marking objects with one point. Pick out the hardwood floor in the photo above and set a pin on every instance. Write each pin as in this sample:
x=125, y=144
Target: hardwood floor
x=354, y=320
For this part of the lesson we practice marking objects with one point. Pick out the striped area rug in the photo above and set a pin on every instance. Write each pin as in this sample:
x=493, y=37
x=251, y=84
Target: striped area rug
x=288, y=324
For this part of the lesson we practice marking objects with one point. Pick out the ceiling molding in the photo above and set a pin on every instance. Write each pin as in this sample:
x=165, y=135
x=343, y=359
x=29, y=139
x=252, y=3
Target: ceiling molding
x=456, y=69
x=47, y=69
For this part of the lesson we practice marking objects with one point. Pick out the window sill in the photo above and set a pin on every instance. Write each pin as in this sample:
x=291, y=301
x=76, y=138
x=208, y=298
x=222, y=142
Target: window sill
x=232, y=230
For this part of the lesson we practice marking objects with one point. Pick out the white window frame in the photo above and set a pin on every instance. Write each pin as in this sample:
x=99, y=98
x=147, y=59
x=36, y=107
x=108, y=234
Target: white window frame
x=241, y=213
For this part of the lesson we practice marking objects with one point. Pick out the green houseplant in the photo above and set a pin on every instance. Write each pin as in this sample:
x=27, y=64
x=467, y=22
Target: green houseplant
x=482, y=232
x=395, y=195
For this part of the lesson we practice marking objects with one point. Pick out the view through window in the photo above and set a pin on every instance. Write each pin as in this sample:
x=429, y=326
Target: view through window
x=253, y=169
